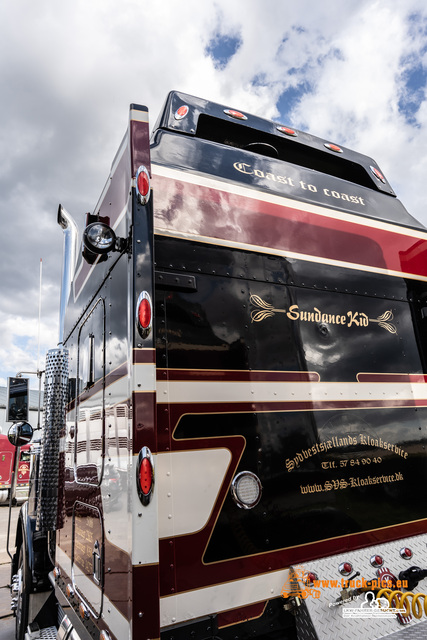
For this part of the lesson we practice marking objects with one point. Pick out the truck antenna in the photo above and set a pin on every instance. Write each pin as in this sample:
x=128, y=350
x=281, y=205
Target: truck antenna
x=40, y=312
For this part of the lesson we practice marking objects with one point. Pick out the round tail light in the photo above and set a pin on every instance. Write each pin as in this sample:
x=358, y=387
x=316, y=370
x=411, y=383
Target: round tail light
x=144, y=314
x=143, y=185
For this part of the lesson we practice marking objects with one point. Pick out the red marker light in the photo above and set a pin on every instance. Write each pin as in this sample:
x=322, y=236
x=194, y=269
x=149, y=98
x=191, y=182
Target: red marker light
x=144, y=314
x=376, y=561
x=345, y=568
x=310, y=577
x=181, y=112
x=145, y=476
x=143, y=185
x=379, y=176
x=333, y=147
x=235, y=114
x=287, y=130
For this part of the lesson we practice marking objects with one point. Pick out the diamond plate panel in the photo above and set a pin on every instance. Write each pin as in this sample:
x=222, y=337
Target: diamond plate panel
x=321, y=618
x=417, y=632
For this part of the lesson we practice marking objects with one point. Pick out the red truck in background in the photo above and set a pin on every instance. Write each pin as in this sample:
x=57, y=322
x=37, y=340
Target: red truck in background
x=9, y=463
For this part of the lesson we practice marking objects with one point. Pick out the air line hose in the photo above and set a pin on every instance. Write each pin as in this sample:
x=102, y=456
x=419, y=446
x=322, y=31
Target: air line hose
x=402, y=601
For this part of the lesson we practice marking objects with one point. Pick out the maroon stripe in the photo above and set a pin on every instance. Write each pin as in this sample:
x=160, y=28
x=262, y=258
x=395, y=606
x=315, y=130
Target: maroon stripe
x=176, y=552
x=391, y=377
x=237, y=376
x=144, y=356
x=144, y=412
x=140, y=145
x=145, y=602
x=285, y=228
x=176, y=411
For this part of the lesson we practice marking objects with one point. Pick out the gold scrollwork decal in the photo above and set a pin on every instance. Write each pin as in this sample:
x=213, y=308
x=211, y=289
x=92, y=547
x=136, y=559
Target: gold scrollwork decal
x=265, y=310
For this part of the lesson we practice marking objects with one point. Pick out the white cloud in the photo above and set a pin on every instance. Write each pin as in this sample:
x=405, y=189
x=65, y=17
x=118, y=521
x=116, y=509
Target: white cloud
x=355, y=100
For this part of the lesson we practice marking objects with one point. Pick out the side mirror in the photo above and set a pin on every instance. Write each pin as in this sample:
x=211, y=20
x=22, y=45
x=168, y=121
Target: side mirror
x=17, y=399
x=20, y=433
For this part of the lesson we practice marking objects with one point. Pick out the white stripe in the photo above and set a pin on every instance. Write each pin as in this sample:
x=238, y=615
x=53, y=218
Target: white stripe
x=197, y=391
x=145, y=545
x=262, y=196
x=221, y=597
x=144, y=377
x=138, y=115
x=188, y=483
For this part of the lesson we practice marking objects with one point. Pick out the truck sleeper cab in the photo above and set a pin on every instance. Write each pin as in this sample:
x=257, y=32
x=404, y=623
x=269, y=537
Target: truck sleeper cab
x=242, y=373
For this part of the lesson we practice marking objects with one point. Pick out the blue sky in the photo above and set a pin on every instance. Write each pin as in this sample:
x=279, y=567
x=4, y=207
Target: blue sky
x=352, y=72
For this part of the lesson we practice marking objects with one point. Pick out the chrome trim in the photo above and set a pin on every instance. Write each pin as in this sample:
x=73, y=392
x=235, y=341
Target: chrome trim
x=71, y=233
x=234, y=490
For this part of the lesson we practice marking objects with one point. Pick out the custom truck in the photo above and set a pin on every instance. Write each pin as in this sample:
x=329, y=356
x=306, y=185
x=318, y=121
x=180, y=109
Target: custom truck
x=237, y=407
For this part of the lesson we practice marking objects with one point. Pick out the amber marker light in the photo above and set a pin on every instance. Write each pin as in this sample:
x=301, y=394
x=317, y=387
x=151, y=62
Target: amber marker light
x=83, y=611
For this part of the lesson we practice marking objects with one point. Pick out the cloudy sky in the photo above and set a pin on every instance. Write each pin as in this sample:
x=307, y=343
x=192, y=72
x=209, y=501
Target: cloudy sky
x=353, y=72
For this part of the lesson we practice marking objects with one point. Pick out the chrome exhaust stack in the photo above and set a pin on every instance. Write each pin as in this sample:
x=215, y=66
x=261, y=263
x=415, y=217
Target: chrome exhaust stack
x=69, y=227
